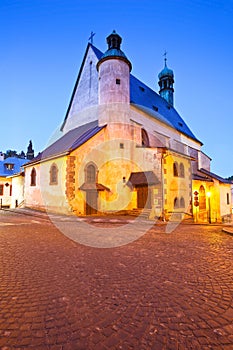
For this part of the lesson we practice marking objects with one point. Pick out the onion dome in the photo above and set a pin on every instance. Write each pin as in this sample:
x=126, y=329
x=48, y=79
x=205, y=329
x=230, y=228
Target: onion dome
x=166, y=72
x=114, y=50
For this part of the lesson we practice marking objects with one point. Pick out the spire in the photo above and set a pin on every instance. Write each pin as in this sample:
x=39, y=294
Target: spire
x=166, y=81
x=30, y=151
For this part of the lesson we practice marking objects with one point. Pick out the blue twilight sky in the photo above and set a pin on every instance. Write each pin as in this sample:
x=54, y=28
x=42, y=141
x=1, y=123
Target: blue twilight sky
x=42, y=43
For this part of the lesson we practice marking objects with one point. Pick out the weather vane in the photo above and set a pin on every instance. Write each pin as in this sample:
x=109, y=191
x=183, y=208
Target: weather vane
x=91, y=37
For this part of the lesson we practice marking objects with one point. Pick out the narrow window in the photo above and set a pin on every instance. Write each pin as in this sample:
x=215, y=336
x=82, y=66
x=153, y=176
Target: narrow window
x=228, y=198
x=176, y=203
x=10, y=190
x=91, y=174
x=53, y=174
x=121, y=145
x=145, y=138
x=1, y=190
x=175, y=169
x=33, y=177
x=181, y=170
x=182, y=202
x=118, y=81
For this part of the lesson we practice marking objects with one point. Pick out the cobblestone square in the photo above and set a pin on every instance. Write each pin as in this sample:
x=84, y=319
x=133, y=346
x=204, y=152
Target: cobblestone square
x=162, y=291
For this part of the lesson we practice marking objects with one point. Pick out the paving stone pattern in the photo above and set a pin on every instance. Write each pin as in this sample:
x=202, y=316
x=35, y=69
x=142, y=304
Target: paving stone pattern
x=162, y=292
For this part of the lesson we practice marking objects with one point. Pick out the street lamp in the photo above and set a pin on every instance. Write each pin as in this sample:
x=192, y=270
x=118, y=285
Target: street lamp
x=209, y=212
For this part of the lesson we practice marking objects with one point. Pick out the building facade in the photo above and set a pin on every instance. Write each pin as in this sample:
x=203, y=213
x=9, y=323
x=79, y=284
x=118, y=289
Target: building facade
x=123, y=148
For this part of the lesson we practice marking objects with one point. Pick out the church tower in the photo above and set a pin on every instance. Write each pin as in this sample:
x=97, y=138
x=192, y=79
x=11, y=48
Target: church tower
x=30, y=151
x=166, y=81
x=114, y=72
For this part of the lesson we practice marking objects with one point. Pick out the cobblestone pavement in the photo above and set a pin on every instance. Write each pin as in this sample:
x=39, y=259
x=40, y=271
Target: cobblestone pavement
x=163, y=291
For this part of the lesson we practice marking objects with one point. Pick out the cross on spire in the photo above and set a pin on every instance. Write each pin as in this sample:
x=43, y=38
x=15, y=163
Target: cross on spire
x=91, y=37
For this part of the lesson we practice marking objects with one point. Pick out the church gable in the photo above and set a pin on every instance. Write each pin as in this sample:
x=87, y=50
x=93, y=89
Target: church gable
x=85, y=93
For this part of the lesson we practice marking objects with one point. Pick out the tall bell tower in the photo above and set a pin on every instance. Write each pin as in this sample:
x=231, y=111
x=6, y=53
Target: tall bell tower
x=166, y=81
x=114, y=72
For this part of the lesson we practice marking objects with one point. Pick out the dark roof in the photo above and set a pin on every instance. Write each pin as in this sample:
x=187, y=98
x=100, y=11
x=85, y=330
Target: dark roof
x=144, y=98
x=201, y=178
x=69, y=142
x=148, y=100
x=17, y=166
x=214, y=176
x=142, y=178
x=93, y=187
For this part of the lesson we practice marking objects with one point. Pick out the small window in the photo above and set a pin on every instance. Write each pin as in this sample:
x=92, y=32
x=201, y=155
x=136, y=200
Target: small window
x=33, y=177
x=180, y=124
x=1, y=190
x=53, y=174
x=118, y=81
x=155, y=108
x=176, y=203
x=145, y=138
x=175, y=169
x=228, y=198
x=181, y=170
x=141, y=88
x=182, y=202
x=9, y=166
x=121, y=145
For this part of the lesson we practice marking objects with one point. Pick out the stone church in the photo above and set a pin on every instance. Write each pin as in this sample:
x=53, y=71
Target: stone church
x=124, y=149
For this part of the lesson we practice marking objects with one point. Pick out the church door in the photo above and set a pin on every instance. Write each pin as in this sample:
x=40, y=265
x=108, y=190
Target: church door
x=143, y=197
x=91, y=202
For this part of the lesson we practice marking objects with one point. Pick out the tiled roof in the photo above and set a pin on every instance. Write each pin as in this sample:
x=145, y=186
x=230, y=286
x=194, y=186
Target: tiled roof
x=93, y=187
x=17, y=166
x=69, y=142
x=214, y=176
x=148, y=100
x=142, y=178
x=201, y=178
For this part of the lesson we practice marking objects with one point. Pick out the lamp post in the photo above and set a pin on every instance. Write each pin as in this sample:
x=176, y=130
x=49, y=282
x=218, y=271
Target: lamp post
x=209, y=207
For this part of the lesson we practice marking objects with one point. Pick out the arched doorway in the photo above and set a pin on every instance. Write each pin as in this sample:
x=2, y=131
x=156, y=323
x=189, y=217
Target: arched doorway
x=202, y=198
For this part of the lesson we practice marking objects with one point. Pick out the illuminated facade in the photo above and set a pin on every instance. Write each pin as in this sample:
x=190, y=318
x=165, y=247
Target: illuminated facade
x=123, y=148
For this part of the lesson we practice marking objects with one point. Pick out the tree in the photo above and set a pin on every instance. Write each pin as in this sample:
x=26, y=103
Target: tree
x=11, y=153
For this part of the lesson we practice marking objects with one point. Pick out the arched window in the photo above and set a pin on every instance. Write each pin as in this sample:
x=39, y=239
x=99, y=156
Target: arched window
x=176, y=203
x=181, y=170
x=175, y=169
x=182, y=202
x=33, y=177
x=53, y=174
x=145, y=138
x=91, y=174
x=202, y=198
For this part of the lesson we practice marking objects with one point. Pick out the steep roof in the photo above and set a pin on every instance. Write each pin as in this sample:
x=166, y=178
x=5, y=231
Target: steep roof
x=149, y=101
x=69, y=142
x=144, y=98
x=16, y=163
